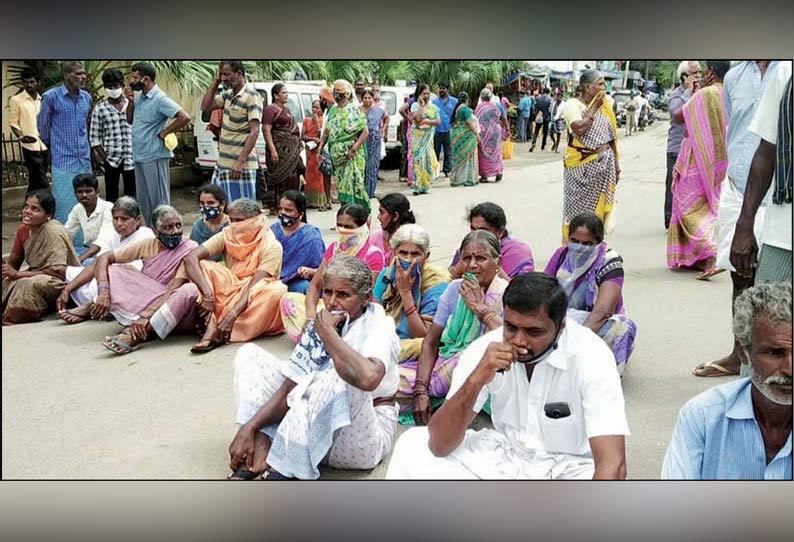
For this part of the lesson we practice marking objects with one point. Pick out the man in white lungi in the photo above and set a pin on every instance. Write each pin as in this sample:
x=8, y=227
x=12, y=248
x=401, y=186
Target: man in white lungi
x=557, y=405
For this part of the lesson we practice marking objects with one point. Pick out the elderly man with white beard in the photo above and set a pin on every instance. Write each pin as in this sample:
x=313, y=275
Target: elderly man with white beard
x=742, y=430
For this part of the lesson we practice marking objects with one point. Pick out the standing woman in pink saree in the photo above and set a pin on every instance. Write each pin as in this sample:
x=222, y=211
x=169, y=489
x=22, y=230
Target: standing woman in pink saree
x=697, y=177
x=489, y=156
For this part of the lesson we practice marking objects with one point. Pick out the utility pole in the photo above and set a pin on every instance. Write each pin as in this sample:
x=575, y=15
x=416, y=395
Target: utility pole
x=626, y=74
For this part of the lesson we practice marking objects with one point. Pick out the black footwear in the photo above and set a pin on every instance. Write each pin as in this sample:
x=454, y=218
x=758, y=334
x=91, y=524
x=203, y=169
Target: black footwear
x=498, y=178
x=275, y=476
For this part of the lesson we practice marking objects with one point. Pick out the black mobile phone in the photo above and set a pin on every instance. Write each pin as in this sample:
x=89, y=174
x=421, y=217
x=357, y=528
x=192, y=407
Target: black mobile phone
x=557, y=410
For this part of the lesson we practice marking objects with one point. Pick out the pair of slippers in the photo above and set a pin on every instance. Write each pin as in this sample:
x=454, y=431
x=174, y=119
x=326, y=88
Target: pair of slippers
x=270, y=475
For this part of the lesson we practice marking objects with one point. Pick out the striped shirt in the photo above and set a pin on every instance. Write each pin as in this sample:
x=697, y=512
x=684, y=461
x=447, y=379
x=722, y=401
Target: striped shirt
x=63, y=127
x=109, y=128
x=238, y=112
x=717, y=437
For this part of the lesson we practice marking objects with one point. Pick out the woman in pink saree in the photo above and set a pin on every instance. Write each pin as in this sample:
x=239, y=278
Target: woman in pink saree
x=489, y=155
x=697, y=177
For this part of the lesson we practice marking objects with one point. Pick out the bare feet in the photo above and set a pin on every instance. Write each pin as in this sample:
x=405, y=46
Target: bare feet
x=76, y=315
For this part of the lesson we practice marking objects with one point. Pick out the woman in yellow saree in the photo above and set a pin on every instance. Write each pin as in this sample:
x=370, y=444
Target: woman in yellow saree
x=591, y=159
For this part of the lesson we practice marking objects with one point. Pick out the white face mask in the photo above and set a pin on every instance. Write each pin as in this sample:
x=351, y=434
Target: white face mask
x=114, y=93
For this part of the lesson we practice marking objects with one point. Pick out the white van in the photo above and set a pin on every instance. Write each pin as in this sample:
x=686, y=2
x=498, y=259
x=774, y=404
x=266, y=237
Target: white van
x=301, y=96
x=393, y=98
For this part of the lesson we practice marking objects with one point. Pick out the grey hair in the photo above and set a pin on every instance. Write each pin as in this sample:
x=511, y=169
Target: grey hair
x=248, y=207
x=484, y=237
x=161, y=212
x=353, y=270
x=772, y=299
x=486, y=94
x=345, y=84
x=683, y=69
x=70, y=66
x=128, y=205
x=411, y=233
x=589, y=77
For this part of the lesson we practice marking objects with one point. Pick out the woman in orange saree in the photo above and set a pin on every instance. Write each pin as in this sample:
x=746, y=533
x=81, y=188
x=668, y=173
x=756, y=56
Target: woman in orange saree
x=239, y=302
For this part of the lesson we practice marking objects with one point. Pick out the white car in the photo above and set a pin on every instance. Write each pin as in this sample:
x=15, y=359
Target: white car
x=301, y=96
x=393, y=98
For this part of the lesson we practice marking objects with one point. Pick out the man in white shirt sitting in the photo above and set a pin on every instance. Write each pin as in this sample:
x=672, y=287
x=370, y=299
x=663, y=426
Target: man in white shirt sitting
x=557, y=405
x=88, y=219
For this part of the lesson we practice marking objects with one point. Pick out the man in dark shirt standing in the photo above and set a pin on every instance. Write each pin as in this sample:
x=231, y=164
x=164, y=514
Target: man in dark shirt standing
x=542, y=113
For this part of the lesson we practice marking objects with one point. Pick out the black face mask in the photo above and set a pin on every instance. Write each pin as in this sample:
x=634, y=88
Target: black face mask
x=137, y=86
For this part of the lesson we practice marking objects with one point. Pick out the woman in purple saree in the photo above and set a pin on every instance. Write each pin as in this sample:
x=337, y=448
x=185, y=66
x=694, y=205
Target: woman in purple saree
x=591, y=274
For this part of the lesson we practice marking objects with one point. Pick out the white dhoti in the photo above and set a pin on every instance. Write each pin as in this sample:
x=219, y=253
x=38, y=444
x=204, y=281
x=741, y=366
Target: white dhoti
x=485, y=454
x=316, y=428
x=730, y=207
x=85, y=294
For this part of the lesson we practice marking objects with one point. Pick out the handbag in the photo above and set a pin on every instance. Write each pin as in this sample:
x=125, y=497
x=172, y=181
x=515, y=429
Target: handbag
x=326, y=167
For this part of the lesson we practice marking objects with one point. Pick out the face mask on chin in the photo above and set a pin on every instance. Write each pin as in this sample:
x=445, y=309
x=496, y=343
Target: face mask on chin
x=543, y=356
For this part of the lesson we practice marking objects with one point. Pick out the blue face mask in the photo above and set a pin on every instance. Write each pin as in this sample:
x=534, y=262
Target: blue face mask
x=210, y=213
x=170, y=241
x=406, y=264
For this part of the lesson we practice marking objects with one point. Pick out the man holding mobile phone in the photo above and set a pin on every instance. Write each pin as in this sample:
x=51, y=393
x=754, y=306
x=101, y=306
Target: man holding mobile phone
x=556, y=400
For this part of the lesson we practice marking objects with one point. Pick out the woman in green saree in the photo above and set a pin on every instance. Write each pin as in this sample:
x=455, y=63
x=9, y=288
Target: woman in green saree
x=465, y=138
x=345, y=133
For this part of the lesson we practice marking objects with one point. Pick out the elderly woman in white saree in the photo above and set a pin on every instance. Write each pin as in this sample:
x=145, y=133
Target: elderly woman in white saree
x=333, y=401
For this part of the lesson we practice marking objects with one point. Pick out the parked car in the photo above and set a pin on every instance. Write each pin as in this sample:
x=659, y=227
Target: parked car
x=393, y=98
x=301, y=96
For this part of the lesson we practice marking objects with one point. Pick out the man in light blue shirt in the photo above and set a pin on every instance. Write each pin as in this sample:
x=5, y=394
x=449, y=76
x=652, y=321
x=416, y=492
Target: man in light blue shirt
x=148, y=114
x=742, y=430
x=524, y=109
x=743, y=87
x=446, y=105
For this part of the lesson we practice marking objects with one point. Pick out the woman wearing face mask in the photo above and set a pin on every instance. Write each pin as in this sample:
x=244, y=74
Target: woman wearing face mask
x=426, y=117
x=303, y=243
x=345, y=133
x=353, y=240
x=239, y=301
x=468, y=308
x=128, y=229
x=47, y=248
x=394, y=211
x=409, y=288
x=212, y=205
x=282, y=137
x=376, y=125
x=158, y=299
x=316, y=197
x=592, y=276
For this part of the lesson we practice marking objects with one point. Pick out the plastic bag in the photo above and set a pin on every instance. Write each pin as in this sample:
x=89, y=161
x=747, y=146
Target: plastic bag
x=507, y=150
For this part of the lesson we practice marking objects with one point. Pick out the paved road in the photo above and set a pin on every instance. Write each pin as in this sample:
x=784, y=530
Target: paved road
x=71, y=409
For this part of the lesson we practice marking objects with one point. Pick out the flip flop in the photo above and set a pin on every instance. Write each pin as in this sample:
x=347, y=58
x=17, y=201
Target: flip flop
x=708, y=273
x=718, y=370
x=196, y=349
x=244, y=474
x=125, y=348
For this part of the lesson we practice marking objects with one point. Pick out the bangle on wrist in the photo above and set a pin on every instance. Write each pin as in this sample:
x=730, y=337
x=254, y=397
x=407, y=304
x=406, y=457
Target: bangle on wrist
x=410, y=311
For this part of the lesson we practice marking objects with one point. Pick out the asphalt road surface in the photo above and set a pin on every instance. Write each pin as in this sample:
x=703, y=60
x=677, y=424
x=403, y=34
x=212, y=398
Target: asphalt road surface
x=71, y=409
